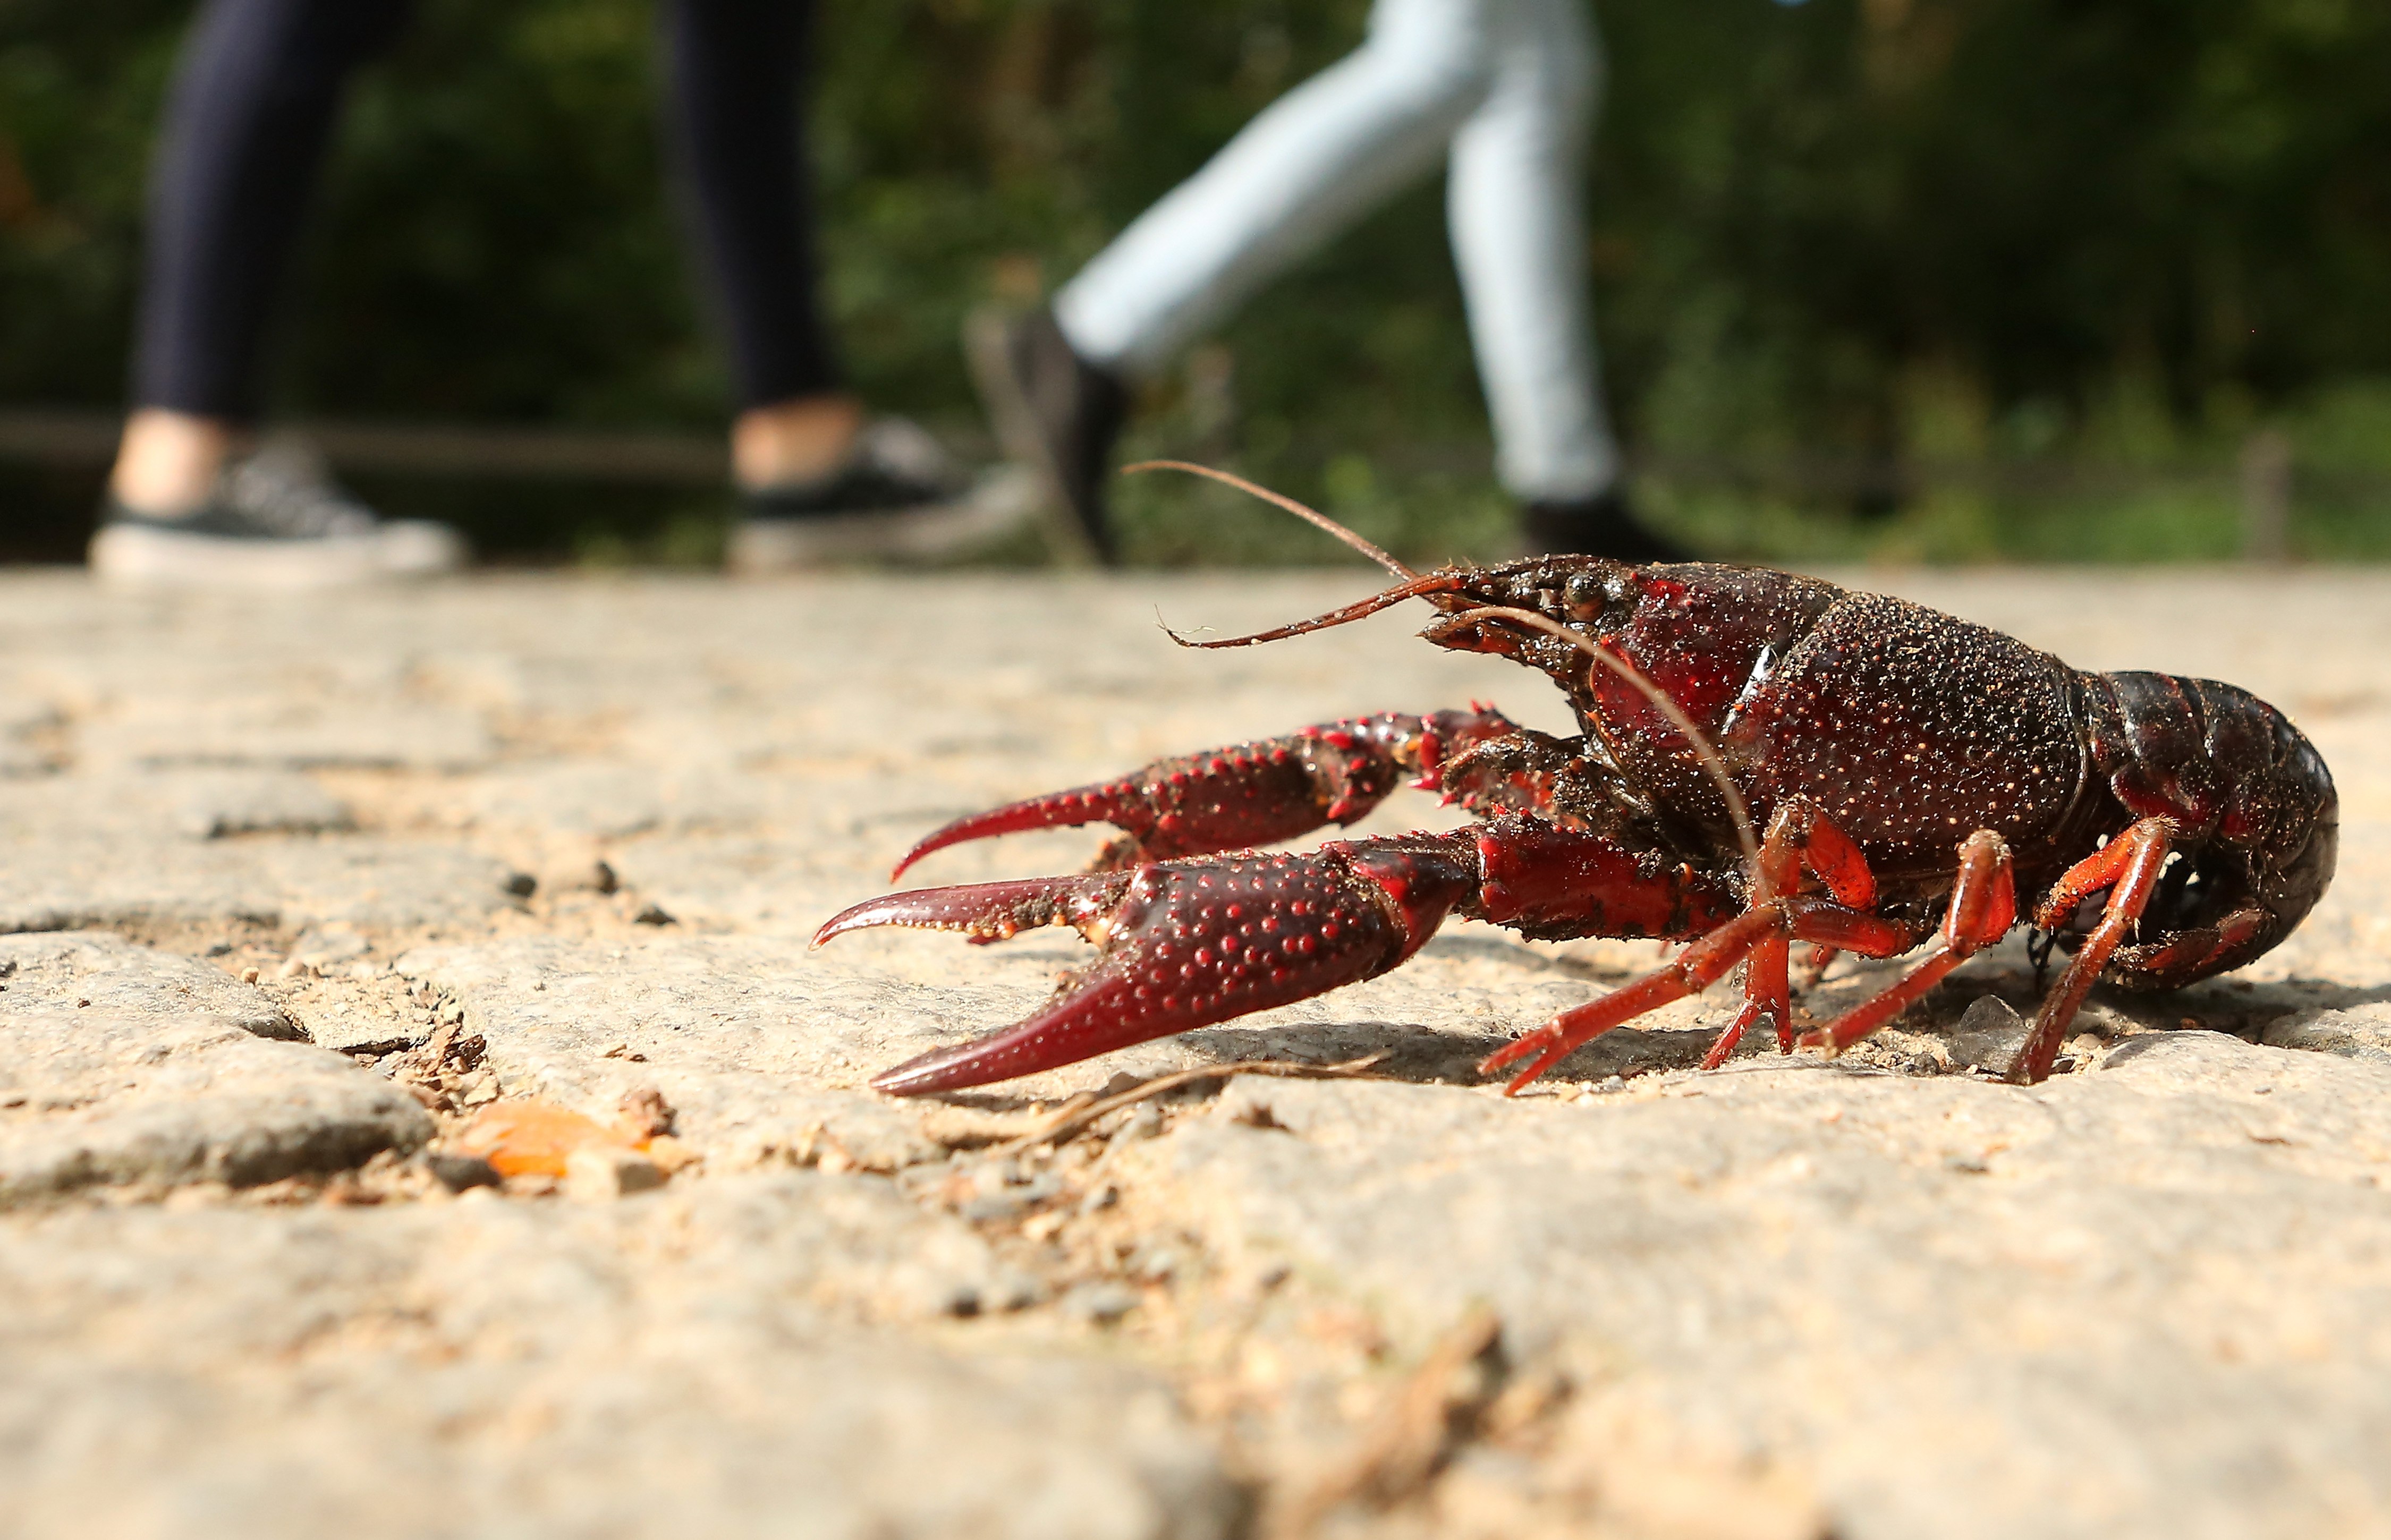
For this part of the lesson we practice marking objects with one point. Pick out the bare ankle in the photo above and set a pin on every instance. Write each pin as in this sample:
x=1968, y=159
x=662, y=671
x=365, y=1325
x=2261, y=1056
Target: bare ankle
x=791, y=442
x=167, y=462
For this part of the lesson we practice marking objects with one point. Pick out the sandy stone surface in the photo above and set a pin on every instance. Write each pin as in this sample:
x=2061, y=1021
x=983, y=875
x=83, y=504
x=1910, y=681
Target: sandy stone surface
x=292, y=893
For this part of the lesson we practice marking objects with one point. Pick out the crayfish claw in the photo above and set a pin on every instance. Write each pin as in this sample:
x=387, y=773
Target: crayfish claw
x=987, y=911
x=1086, y=804
x=1247, y=794
x=1184, y=945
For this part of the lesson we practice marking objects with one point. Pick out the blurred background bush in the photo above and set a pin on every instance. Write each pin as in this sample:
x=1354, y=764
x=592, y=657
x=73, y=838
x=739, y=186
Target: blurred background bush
x=1934, y=280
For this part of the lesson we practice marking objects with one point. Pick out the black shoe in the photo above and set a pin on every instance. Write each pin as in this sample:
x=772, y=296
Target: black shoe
x=1056, y=413
x=1602, y=525
x=897, y=498
x=275, y=519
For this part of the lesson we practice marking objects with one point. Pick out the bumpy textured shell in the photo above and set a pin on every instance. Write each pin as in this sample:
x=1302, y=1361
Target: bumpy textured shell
x=1913, y=729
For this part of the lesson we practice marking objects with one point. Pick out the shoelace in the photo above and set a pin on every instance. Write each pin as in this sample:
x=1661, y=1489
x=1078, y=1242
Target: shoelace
x=292, y=499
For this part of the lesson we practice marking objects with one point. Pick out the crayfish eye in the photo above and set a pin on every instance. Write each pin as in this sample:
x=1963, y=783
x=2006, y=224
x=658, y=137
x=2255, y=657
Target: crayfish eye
x=1584, y=595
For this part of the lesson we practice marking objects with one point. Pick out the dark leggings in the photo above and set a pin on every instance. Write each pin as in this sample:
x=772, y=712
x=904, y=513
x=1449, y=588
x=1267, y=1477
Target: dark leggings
x=252, y=107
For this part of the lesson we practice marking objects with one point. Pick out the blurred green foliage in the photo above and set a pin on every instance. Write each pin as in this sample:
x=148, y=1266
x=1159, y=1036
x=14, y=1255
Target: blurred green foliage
x=1931, y=233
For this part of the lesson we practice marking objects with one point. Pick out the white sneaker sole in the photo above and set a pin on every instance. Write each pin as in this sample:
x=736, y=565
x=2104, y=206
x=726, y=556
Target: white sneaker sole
x=1001, y=501
x=137, y=556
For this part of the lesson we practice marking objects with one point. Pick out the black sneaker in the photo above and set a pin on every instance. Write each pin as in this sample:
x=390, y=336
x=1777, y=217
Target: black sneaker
x=1601, y=525
x=897, y=498
x=275, y=521
x=1055, y=413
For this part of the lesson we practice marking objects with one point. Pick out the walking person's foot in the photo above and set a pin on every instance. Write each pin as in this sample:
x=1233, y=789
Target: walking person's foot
x=273, y=519
x=1056, y=413
x=895, y=496
x=1603, y=525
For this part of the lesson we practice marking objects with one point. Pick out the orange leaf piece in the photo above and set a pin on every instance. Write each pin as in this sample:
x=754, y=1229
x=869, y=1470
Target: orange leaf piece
x=533, y=1139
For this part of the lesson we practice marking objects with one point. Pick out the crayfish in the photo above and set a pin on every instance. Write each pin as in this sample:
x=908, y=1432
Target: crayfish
x=1762, y=758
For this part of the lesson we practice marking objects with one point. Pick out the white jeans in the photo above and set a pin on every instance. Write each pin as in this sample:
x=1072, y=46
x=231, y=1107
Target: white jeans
x=1506, y=89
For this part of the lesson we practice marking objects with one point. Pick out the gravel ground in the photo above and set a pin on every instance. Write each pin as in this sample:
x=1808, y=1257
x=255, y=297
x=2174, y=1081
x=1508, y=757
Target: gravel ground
x=292, y=893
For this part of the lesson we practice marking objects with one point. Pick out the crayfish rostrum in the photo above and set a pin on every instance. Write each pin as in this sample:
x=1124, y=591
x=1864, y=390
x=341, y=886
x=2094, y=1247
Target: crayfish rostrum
x=1762, y=758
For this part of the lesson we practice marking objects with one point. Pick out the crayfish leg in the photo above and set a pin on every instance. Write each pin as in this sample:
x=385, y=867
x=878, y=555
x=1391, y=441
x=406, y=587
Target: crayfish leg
x=1694, y=969
x=1982, y=908
x=2130, y=866
x=1801, y=838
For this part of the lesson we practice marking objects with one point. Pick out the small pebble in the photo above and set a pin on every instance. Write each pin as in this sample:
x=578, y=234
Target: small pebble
x=959, y=1299
x=595, y=1174
x=645, y=1112
x=1099, y=1303
x=1990, y=1013
x=457, y=1172
x=1153, y=1264
x=990, y=1207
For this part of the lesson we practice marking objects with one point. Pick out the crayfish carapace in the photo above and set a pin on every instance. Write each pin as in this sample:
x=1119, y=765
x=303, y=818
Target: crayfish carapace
x=1762, y=758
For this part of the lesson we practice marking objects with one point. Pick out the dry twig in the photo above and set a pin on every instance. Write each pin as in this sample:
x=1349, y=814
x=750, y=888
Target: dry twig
x=1074, y=1116
x=1411, y=1439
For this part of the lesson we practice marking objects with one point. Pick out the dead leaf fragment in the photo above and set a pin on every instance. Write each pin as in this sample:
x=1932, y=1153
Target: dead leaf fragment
x=534, y=1138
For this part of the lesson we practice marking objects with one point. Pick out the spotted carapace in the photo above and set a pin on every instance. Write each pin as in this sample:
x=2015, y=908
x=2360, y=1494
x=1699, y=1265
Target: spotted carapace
x=1762, y=758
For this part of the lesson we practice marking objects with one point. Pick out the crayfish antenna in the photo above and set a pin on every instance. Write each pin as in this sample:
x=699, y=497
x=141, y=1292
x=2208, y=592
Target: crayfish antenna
x=1434, y=582
x=1413, y=585
x=1310, y=516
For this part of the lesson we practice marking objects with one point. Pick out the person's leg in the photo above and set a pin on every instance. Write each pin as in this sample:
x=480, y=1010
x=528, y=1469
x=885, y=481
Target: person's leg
x=819, y=482
x=1310, y=164
x=246, y=123
x=1515, y=204
x=734, y=121
x=1307, y=167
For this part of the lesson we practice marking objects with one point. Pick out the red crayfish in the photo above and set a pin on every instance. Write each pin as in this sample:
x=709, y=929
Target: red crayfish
x=1905, y=770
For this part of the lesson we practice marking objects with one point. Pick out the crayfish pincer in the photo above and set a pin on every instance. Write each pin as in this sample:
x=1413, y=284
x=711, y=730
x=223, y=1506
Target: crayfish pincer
x=1762, y=759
